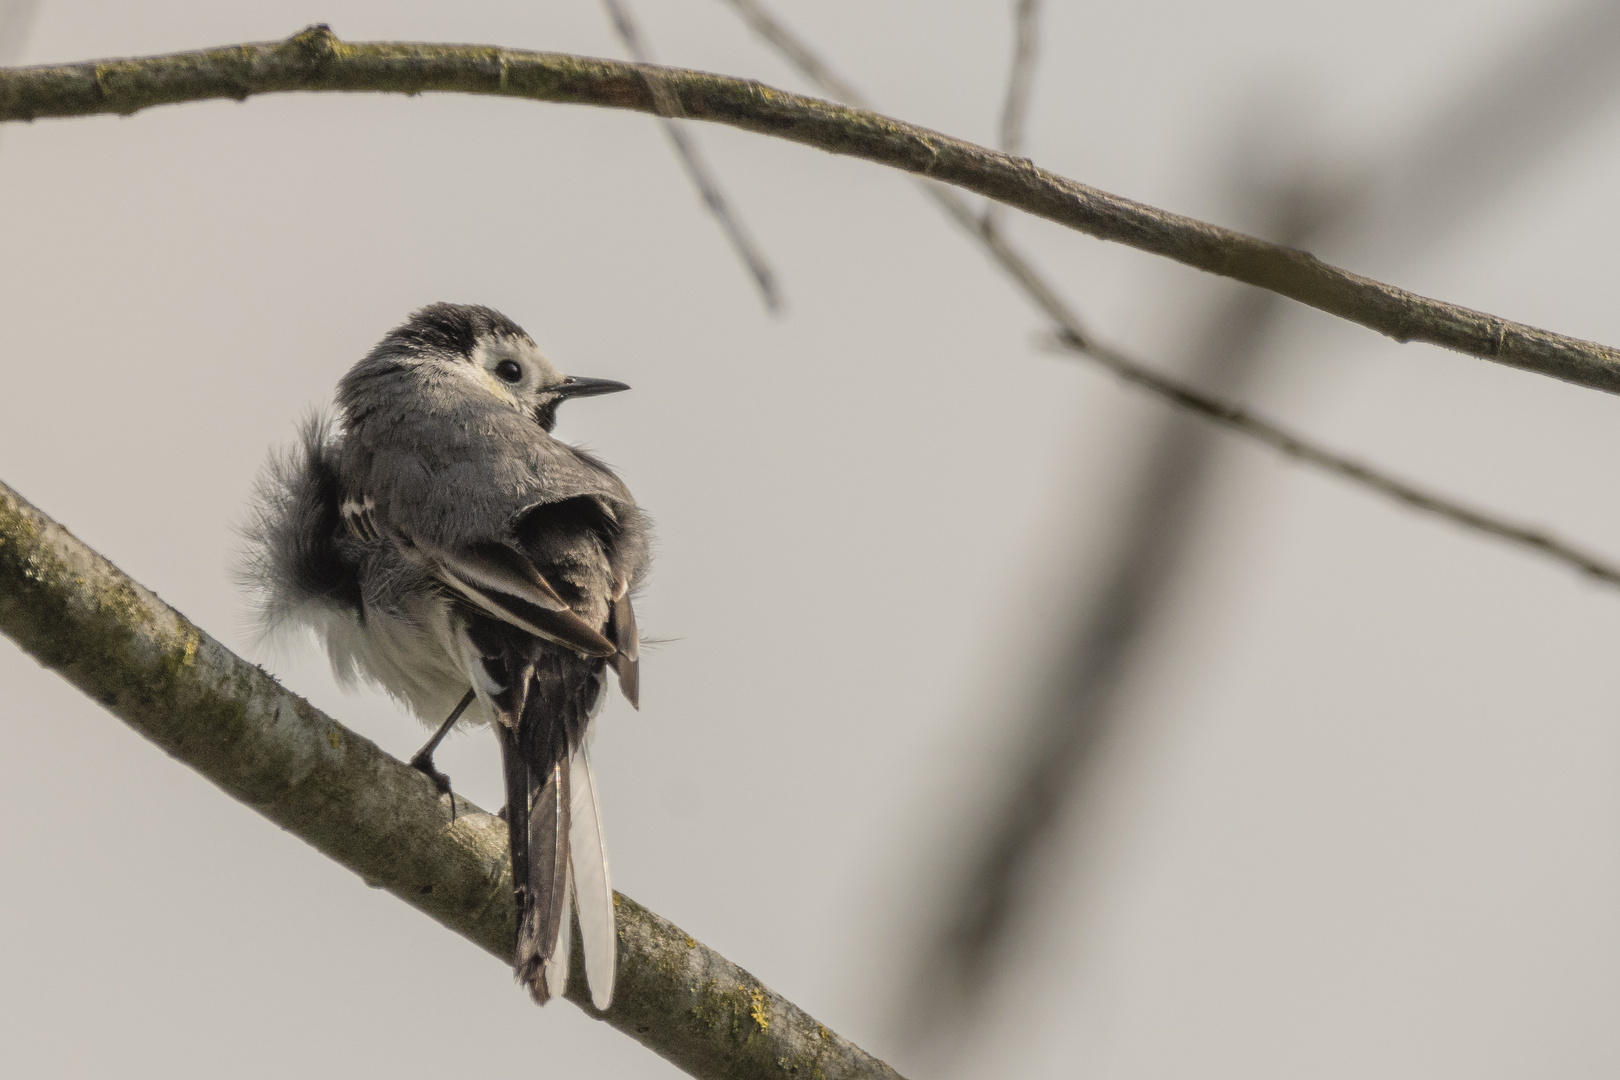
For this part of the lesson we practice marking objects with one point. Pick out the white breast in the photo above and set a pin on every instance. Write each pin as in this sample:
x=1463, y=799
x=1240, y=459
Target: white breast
x=410, y=655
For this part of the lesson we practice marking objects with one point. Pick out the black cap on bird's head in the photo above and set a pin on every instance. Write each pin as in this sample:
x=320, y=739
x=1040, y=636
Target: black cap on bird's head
x=504, y=358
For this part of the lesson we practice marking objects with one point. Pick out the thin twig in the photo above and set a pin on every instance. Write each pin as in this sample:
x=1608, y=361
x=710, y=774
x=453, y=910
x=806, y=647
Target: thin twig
x=1072, y=714
x=1020, y=82
x=1026, y=40
x=697, y=169
x=1075, y=338
x=77, y=614
x=316, y=60
x=1517, y=107
x=1279, y=438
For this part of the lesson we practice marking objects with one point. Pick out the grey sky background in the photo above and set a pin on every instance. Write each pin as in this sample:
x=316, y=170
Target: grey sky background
x=1363, y=817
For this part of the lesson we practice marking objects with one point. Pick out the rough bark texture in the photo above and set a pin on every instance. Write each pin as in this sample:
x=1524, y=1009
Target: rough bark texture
x=317, y=60
x=79, y=615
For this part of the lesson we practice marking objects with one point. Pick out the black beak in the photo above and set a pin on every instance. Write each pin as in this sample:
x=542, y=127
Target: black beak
x=576, y=386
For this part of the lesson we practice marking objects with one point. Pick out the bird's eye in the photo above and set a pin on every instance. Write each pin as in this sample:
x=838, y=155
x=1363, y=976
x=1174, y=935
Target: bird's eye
x=509, y=370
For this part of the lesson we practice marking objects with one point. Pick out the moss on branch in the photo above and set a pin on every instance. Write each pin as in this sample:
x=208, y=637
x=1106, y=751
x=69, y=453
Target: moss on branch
x=79, y=615
x=315, y=60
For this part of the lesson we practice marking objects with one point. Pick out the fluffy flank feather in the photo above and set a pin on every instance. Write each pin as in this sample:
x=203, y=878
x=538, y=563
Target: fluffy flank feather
x=294, y=562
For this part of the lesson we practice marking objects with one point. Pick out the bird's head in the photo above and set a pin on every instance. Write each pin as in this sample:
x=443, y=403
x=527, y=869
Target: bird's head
x=471, y=342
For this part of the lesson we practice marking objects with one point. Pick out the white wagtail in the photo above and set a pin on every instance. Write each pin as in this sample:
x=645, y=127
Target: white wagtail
x=447, y=548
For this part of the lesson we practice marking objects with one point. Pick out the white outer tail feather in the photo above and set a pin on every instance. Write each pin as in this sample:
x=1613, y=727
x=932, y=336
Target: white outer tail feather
x=556, y=969
x=592, y=890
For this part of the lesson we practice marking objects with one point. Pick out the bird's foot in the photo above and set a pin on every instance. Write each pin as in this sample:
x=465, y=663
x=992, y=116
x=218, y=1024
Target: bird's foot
x=423, y=763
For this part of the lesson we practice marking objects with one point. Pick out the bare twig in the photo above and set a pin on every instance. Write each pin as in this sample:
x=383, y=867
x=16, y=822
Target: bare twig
x=316, y=60
x=77, y=614
x=1026, y=39
x=1020, y=82
x=1277, y=437
x=1518, y=107
x=1072, y=715
x=1075, y=338
x=697, y=169
x=793, y=49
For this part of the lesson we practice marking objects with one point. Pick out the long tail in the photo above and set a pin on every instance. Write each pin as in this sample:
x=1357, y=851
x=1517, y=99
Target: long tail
x=554, y=822
x=593, y=893
x=539, y=811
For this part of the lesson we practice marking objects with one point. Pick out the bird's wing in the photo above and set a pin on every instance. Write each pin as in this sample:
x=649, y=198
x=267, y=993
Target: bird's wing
x=502, y=583
x=593, y=893
x=622, y=629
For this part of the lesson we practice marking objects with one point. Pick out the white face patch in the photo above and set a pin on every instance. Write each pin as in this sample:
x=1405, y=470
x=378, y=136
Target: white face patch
x=515, y=370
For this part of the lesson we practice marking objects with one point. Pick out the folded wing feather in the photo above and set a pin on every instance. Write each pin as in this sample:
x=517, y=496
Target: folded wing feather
x=509, y=588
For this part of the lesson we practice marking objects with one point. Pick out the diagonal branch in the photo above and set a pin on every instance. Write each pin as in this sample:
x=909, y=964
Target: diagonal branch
x=317, y=60
x=1274, y=435
x=77, y=614
x=1072, y=336
x=1549, y=84
x=1242, y=421
x=697, y=169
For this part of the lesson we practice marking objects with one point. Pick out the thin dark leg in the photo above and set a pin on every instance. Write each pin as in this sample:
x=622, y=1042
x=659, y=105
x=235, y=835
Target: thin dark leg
x=423, y=761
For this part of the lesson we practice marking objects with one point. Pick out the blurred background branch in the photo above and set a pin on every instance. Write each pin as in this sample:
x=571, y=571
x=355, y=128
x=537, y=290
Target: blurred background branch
x=1516, y=111
x=1521, y=108
x=1225, y=347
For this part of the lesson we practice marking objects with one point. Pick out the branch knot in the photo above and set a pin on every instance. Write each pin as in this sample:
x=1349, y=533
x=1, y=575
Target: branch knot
x=315, y=44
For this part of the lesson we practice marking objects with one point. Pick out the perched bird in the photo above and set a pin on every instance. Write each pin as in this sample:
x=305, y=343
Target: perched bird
x=446, y=547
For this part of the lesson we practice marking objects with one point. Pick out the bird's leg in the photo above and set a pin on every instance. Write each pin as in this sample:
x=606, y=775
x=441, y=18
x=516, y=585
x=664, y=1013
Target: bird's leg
x=423, y=761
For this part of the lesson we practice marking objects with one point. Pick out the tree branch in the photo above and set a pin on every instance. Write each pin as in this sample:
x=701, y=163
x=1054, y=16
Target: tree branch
x=1020, y=85
x=1021, y=76
x=1074, y=712
x=317, y=60
x=1069, y=334
x=1259, y=428
x=77, y=614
